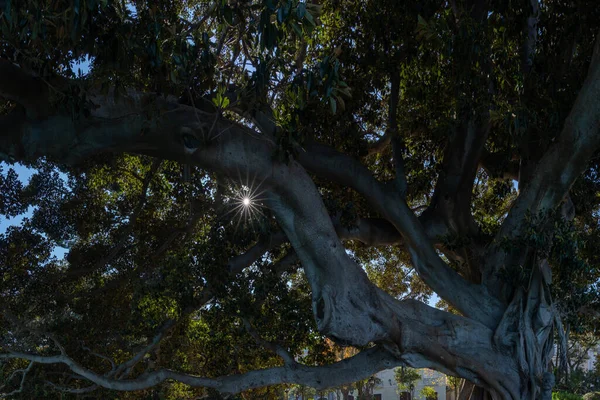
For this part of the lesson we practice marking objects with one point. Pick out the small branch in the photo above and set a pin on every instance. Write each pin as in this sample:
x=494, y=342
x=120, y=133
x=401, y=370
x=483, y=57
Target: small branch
x=124, y=369
x=57, y=343
x=401, y=183
x=23, y=373
x=397, y=142
x=275, y=348
x=112, y=363
x=222, y=41
x=381, y=144
x=286, y=263
x=236, y=264
x=531, y=36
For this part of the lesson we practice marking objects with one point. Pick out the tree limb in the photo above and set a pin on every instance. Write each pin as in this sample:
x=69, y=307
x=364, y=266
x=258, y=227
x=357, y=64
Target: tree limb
x=351, y=369
x=237, y=263
x=559, y=167
x=531, y=32
x=23, y=373
x=370, y=232
x=472, y=300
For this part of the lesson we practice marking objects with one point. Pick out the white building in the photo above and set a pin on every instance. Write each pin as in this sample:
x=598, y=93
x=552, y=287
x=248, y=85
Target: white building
x=388, y=389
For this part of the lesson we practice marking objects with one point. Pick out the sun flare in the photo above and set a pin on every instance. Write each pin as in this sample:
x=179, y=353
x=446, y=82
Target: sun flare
x=245, y=201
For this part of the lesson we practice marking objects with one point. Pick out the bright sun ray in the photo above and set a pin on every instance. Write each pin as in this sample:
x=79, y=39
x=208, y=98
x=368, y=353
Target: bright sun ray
x=246, y=201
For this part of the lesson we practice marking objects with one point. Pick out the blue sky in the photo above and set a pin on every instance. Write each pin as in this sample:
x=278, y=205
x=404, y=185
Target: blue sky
x=24, y=174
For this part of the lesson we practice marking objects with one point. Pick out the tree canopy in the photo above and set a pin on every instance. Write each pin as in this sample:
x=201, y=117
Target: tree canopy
x=237, y=182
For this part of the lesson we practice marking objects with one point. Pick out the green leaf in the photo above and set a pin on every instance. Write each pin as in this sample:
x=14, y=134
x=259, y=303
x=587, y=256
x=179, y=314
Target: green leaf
x=7, y=11
x=332, y=105
x=310, y=19
x=342, y=103
x=296, y=28
x=301, y=10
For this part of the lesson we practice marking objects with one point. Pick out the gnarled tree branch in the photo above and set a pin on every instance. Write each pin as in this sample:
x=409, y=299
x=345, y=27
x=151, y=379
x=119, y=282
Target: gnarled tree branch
x=471, y=299
x=352, y=369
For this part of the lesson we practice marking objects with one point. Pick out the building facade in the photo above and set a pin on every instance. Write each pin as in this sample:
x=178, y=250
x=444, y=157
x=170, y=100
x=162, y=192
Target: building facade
x=387, y=389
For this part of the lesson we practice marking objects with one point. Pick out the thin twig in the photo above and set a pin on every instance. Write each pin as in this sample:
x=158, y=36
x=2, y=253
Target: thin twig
x=275, y=348
x=112, y=363
x=124, y=369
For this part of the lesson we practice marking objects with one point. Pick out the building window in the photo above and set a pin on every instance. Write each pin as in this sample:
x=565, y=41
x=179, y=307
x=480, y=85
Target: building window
x=376, y=397
x=405, y=396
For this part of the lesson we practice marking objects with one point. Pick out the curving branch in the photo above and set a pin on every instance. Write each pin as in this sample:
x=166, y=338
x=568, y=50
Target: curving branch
x=370, y=232
x=560, y=166
x=381, y=144
x=471, y=299
x=352, y=369
x=238, y=263
x=124, y=369
x=23, y=373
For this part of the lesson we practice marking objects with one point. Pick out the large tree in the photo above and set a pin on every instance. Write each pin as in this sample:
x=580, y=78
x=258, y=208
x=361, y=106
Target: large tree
x=213, y=146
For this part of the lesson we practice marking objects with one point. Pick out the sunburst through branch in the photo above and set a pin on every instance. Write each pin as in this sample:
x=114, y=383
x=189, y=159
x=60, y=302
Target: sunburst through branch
x=246, y=201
